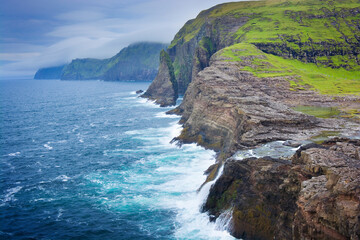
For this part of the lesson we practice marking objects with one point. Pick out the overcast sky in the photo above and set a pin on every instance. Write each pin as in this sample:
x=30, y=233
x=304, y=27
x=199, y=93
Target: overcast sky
x=43, y=33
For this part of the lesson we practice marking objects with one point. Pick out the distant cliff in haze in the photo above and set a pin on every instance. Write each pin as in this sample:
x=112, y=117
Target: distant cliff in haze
x=137, y=62
x=49, y=73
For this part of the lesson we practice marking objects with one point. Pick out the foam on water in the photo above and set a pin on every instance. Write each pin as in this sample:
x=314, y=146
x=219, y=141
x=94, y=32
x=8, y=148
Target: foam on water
x=168, y=180
x=164, y=115
x=47, y=146
x=10, y=194
x=14, y=154
x=62, y=178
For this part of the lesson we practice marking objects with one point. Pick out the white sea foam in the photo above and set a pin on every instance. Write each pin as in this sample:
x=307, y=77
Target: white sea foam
x=14, y=154
x=181, y=191
x=168, y=180
x=62, y=178
x=164, y=115
x=147, y=103
x=47, y=146
x=9, y=196
x=60, y=213
x=130, y=98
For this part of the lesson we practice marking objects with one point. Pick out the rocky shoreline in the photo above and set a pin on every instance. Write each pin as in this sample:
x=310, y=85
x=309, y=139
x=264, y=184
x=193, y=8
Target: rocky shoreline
x=304, y=197
x=242, y=97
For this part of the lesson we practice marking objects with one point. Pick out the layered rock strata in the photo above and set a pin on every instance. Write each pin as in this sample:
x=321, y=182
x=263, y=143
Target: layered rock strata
x=226, y=108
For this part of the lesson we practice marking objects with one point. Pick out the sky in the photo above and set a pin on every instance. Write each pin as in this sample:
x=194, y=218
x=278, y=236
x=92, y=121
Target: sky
x=43, y=33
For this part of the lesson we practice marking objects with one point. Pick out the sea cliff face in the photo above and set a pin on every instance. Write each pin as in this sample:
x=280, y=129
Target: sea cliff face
x=257, y=72
x=163, y=90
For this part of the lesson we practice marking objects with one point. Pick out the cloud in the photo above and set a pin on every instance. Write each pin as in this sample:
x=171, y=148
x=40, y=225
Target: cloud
x=98, y=29
x=17, y=56
x=80, y=16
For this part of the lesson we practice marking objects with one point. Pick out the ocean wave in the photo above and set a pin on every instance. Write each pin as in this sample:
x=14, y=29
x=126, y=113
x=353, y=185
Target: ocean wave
x=14, y=154
x=164, y=115
x=9, y=196
x=47, y=146
x=62, y=178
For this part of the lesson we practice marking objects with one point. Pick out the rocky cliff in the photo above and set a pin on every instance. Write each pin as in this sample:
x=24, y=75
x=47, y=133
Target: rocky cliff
x=163, y=90
x=227, y=107
x=322, y=32
x=257, y=72
x=313, y=195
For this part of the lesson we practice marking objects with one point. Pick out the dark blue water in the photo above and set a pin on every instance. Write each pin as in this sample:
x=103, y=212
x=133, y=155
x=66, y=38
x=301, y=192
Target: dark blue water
x=91, y=160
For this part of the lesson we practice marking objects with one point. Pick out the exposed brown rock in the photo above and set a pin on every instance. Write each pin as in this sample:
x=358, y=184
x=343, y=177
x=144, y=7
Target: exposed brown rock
x=298, y=199
x=329, y=204
x=226, y=108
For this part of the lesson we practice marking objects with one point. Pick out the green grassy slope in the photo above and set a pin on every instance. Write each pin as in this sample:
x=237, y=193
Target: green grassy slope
x=84, y=69
x=316, y=40
x=133, y=61
x=326, y=80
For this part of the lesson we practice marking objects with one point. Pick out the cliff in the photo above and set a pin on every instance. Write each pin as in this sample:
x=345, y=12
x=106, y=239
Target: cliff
x=137, y=62
x=84, y=69
x=313, y=195
x=325, y=33
x=246, y=101
x=163, y=90
x=257, y=72
x=49, y=73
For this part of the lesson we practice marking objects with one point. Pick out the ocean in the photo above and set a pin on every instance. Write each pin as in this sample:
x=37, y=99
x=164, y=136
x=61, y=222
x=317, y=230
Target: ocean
x=92, y=160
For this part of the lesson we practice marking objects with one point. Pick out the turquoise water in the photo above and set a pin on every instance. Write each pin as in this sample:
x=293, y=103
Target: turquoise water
x=91, y=160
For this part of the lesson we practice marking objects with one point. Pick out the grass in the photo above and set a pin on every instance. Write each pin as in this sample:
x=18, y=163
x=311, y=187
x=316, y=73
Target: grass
x=307, y=75
x=321, y=34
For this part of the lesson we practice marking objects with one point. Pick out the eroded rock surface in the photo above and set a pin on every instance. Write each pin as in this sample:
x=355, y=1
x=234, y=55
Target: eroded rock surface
x=226, y=108
x=313, y=195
